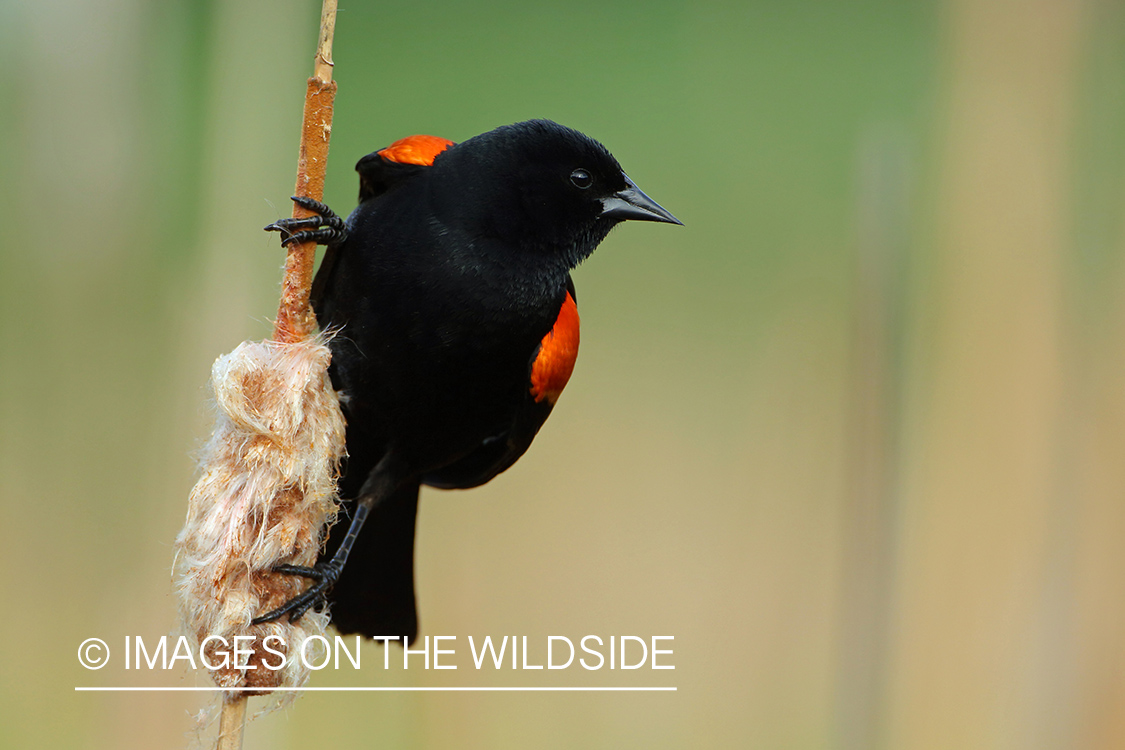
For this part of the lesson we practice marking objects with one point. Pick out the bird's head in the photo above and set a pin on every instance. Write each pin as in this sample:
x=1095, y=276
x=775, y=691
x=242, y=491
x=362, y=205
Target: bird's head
x=542, y=187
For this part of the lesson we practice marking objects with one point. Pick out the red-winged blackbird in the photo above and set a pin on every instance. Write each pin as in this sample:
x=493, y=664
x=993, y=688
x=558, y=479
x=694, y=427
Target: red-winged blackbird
x=450, y=289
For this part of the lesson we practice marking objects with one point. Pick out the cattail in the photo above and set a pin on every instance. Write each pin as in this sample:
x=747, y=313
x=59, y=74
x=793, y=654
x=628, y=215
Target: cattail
x=267, y=493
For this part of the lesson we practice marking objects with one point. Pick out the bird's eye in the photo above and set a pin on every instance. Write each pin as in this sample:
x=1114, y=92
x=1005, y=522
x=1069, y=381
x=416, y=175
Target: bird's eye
x=581, y=179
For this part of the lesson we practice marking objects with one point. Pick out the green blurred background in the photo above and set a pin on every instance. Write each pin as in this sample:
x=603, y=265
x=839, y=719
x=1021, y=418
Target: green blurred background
x=854, y=435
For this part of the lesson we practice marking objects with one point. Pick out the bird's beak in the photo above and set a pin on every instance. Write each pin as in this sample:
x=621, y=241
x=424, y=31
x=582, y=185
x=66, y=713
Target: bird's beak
x=632, y=203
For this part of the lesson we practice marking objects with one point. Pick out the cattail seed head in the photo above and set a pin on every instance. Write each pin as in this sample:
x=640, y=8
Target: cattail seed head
x=266, y=496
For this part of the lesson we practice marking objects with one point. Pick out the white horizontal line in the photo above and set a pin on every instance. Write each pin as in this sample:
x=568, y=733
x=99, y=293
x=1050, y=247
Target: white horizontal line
x=372, y=689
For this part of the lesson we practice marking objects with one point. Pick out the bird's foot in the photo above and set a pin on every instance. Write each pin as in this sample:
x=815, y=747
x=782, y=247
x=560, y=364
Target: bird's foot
x=325, y=228
x=324, y=574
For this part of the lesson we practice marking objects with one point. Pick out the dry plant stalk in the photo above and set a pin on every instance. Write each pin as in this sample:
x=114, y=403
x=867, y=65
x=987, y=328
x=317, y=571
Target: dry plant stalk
x=231, y=724
x=267, y=491
x=295, y=320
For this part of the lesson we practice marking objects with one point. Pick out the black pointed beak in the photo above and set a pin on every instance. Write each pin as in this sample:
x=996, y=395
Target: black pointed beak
x=632, y=203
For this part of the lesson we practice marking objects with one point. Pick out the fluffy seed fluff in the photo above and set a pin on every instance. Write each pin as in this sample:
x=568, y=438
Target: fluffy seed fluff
x=266, y=496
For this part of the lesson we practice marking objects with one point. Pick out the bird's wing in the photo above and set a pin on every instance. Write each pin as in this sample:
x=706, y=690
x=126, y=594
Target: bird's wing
x=548, y=372
x=378, y=172
x=554, y=360
x=381, y=169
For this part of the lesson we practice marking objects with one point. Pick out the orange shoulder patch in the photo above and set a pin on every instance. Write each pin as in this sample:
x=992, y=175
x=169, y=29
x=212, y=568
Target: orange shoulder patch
x=557, y=353
x=416, y=149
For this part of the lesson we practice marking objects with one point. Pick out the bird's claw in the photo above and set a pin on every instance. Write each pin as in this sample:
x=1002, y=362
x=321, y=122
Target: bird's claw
x=324, y=574
x=324, y=228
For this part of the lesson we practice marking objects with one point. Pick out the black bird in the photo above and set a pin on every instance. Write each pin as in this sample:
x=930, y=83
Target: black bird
x=450, y=289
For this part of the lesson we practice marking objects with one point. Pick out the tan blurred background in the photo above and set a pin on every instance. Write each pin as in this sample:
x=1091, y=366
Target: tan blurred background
x=854, y=436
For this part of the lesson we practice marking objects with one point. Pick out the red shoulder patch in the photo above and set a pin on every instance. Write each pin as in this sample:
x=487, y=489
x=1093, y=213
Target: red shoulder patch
x=557, y=353
x=416, y=149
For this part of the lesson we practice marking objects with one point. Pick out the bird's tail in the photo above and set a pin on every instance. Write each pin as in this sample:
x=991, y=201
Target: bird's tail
x=374, y=595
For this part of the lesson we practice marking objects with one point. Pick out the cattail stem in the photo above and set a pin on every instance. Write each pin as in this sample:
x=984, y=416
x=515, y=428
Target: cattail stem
x=295, y=320
x=231, y=723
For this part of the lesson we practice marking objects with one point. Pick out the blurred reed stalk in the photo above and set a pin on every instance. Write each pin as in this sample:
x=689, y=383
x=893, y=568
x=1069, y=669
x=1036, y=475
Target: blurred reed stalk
x=975, y=661
x=867, y=526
